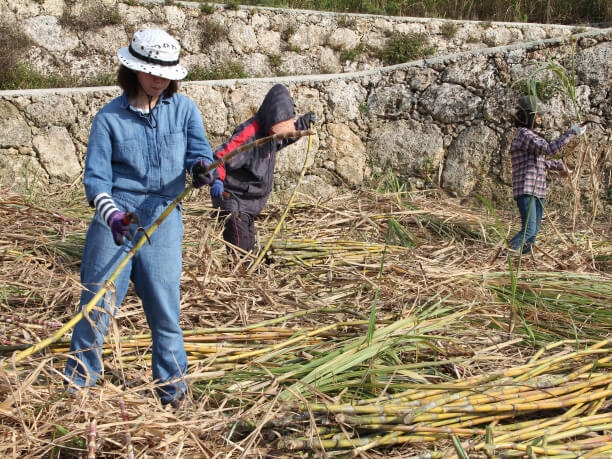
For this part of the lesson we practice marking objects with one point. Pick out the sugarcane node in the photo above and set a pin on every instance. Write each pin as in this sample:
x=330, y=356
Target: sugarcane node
x=409, y=417
x=544, y=382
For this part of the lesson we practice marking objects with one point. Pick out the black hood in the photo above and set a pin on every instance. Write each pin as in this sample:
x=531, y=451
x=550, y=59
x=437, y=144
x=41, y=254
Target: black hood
x=277, y=106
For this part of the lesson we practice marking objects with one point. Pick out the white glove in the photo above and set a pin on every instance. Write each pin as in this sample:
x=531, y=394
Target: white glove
x=579, y=129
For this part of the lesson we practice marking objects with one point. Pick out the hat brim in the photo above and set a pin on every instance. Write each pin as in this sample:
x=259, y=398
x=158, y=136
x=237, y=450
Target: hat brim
x=170, y=72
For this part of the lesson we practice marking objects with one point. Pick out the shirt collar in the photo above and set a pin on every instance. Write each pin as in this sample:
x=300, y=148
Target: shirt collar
x=125, y=102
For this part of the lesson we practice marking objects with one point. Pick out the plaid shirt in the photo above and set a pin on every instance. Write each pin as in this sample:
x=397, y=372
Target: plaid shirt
x=529, y=165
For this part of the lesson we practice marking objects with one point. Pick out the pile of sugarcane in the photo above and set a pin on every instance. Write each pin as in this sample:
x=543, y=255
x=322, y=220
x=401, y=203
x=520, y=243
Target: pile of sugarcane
x=555, y=405
x=311, y=253
x=400, y=315
x=556, y=305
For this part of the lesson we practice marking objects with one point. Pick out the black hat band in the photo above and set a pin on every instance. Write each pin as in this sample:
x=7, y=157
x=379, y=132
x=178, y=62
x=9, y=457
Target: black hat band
x=151, y=60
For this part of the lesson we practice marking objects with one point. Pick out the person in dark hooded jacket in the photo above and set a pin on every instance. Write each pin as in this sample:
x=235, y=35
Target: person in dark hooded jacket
x=244, y=183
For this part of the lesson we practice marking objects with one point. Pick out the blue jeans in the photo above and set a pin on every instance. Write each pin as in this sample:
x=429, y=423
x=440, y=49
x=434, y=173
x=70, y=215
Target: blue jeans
x=155, y=271
x=531, y=210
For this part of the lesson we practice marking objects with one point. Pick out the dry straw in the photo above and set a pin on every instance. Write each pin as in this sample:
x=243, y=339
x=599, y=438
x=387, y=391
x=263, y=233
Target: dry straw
x=296, y=356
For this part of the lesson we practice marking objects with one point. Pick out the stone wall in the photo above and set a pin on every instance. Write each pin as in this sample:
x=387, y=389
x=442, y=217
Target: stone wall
x=81, y=38
x=444, y=120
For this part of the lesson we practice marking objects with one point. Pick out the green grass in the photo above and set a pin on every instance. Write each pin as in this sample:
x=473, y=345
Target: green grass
x=226, y=71
x=405, y=47
x=542, y=11
x=23, y=76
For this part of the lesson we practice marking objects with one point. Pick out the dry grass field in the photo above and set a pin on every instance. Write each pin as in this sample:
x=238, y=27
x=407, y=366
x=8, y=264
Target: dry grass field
x=379, y=324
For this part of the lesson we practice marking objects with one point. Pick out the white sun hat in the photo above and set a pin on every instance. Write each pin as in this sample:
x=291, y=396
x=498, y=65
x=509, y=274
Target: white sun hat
x=153, y=51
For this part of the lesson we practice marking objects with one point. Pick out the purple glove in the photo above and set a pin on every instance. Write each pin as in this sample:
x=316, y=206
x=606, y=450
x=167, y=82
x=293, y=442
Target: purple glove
x=216, y=189
x=199, y=174
x=119, y=226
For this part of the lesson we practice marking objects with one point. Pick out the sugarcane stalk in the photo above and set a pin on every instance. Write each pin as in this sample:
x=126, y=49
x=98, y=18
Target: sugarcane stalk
x=27, y=320
x=128, y=437
x=91, y=440
x=107, y=285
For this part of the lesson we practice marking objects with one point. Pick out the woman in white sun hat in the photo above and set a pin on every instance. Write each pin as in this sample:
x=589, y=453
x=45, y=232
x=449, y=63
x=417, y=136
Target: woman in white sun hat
x=140, y=147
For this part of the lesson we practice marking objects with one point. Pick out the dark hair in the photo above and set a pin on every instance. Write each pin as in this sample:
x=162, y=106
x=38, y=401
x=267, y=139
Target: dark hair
x=128, y=81
x=523, y=118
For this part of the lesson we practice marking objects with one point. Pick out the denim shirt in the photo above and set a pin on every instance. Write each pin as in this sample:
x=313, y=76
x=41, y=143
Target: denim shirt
x=126, y=154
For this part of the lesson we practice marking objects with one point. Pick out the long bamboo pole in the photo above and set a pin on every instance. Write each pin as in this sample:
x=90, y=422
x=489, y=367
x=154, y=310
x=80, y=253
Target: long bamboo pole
x=105, y=288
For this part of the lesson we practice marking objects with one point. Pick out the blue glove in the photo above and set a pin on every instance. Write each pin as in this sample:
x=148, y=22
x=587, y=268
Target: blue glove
x=199, y=174
x=216, y=189
x=310, y=117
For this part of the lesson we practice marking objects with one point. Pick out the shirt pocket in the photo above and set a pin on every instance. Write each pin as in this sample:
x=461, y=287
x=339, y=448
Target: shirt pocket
x=129, y=160
x=173, y=155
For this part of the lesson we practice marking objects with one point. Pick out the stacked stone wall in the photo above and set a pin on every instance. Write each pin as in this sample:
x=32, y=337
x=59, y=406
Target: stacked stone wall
x=445, y=120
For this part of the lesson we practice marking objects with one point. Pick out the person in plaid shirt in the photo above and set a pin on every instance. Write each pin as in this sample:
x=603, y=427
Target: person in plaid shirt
x=528, y=153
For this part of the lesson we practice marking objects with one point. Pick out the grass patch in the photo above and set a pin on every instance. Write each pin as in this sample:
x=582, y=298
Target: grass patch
x=226, y=71
x=90, y=18
x=405, y=47
x=23, y=76
x=13, y=45
x=449, y=29
x=212, y=32
x=352, y=54
x=275, y=61
x=207, y=8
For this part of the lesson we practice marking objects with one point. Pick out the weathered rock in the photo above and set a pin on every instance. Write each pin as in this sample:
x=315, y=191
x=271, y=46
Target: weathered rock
x=315, y=187
x=469, y=159
x=407, y=147
x=57, y=154
x=24, y=9
x=347, y=151
x=20, y=172
x=475, y=72
x=343, y=39
x=497, y=36
x=307, y=37
x=270, y=41
x=175, y=17
x=330, y=63
x=450, y=103
x=134, y=15
x=51, y=109
x=107, y=40
x=594, y=65
x=47, y=32
x=290, y=159
x=243, y=38
x=256, y=65
x=391, y=101
x=420, y=78
x=14, y=130
x=246, y=101
x=296, y=64
x=344, y=100
x=212, y=107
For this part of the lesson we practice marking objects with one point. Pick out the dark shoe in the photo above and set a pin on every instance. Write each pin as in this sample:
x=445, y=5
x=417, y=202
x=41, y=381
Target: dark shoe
x=505, y=252
x=182, y=405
